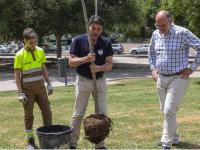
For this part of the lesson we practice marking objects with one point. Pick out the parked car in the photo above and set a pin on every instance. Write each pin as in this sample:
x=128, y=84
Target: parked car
x=14, y=47
x=5, y=49
x=49, y=48
x=142, y=48
x=117, y=48
x=64, y=45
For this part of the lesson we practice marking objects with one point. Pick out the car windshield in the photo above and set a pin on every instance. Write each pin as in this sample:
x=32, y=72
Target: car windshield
x=144, y=46
x=115, y=45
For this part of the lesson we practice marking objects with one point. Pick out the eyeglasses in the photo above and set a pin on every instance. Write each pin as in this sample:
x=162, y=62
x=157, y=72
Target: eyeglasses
x=161, y=26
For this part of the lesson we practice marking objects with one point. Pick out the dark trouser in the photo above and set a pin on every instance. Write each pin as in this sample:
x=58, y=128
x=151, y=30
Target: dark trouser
x=43, y=102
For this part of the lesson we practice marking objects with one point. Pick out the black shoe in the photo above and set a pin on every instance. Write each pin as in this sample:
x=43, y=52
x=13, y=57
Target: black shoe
x=31, y=144
x=159, y=144
x=173, y=144
x=165, y=147
x=103, y=147
x=72, y=147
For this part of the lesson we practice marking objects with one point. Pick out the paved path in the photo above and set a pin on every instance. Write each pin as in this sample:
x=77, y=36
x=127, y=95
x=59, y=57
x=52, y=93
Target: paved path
x=125, y=66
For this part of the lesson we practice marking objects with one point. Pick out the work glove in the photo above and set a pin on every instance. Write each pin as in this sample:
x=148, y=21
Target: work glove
x=22, y=97
x=49, y=89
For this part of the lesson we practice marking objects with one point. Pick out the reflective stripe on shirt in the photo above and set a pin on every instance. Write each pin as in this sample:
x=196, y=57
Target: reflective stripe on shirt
x=32, y=70
x=33, y=79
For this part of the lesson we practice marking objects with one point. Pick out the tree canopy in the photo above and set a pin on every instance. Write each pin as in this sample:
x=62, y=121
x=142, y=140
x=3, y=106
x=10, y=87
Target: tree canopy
x=130, y=18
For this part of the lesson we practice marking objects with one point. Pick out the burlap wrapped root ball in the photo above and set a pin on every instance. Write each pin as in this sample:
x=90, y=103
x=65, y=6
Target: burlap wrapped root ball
x=97, y=127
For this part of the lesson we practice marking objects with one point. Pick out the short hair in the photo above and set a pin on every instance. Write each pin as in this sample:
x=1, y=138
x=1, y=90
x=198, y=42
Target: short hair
x=166, y=13
x=29, y=33
x=96, y=19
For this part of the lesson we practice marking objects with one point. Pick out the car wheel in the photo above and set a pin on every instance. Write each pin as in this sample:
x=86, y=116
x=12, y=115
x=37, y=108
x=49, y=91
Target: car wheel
x=134, y=52
x=115, y=52
x=119, y=52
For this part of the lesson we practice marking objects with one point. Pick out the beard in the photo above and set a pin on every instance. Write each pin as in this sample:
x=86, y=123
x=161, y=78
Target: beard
x=94, y=38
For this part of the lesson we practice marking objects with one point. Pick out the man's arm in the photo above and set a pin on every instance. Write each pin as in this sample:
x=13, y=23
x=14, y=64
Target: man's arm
x=46, y=77
x=21, y=96
x=152, y=59
x=105, y=67
x=75, y=61
x=152, y=54
x=193, y=41
x=45, y=73
x=18, y=79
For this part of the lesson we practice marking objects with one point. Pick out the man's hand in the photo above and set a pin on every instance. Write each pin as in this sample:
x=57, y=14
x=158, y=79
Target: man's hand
x=22, y=97
x=90, y=57
x=94, y=68
x=49, y=89
x=154, y=74
x=186, y=73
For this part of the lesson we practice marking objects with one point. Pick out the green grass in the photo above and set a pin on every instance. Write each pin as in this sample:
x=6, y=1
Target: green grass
x=132, y=104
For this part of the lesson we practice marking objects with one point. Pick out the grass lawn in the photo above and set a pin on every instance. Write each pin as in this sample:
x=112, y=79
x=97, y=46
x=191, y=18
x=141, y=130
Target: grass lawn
x=132, y=104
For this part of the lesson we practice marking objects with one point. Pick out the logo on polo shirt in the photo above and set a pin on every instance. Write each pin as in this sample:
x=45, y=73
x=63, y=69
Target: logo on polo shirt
x=100, y=52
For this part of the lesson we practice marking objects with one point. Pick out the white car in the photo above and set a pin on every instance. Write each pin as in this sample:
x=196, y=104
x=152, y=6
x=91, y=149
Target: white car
x=14, y=47
x=142, y=48
x=4, y=49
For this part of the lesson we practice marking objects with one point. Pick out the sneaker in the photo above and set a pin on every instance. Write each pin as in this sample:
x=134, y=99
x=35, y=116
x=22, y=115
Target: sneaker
x=175, y=141
x=72, y=147
x=103, y=147
x=165, y=147
x=31, y=144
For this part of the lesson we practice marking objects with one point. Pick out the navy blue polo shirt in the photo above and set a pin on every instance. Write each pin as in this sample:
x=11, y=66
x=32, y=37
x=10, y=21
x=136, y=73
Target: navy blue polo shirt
x=80, y=48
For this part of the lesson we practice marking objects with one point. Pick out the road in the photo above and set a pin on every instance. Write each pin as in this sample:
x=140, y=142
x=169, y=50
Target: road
x=125, y=66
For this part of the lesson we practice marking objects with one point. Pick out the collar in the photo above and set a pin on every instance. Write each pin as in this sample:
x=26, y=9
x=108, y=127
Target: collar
x=171, y=29
x=29, y=50
x=98, y=40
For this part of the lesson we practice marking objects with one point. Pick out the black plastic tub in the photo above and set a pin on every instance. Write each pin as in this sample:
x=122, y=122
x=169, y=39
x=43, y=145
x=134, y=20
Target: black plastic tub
x=54, y=136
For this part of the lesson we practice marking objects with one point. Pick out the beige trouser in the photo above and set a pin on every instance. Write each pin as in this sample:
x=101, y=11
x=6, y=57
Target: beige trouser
x=84, y=87
x=171, y=90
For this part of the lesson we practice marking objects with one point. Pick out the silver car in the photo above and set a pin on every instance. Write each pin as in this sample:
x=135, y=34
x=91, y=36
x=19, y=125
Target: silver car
x=117, y=48
x=142, y=48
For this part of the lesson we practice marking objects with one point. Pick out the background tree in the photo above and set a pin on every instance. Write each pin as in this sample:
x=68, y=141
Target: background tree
x=130, y=18
x=11, y=19
x=185, y=13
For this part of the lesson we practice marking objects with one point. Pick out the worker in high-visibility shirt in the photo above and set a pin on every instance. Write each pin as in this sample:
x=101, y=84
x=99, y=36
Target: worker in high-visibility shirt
x=30, y=69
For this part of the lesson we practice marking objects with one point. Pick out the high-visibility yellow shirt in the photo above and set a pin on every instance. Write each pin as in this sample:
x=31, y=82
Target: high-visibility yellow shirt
x=30, y=63
x=24, y=59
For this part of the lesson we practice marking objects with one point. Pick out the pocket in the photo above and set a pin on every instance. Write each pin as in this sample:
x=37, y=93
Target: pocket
x=80, y=78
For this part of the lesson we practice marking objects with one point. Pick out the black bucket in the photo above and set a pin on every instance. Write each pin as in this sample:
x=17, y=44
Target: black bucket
x=54, y=136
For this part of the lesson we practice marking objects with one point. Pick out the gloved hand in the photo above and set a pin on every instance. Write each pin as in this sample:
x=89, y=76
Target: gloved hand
x=22, y=97
x=49, y=89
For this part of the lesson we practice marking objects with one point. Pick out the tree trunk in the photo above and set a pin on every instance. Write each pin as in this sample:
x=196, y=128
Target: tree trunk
x=58, y=43
x=40, y=40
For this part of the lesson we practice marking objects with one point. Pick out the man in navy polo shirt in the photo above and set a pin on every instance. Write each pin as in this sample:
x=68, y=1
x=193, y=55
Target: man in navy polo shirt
x=81, y=58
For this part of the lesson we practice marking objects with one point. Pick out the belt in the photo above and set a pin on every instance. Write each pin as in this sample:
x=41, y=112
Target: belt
x=175, y=74
x=100, y=77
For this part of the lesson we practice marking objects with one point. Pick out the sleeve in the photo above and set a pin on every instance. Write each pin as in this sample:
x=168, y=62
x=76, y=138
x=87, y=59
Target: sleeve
x=74, y=47
x=193, y=41
x=152, y=54
x=43, y=57
x=109, y=50
x=17, y=62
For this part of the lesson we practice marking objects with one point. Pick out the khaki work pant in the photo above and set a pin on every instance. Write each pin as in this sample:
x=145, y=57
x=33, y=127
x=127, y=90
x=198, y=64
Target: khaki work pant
x=43, y=102
x=84, y=87
x=171, y=91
